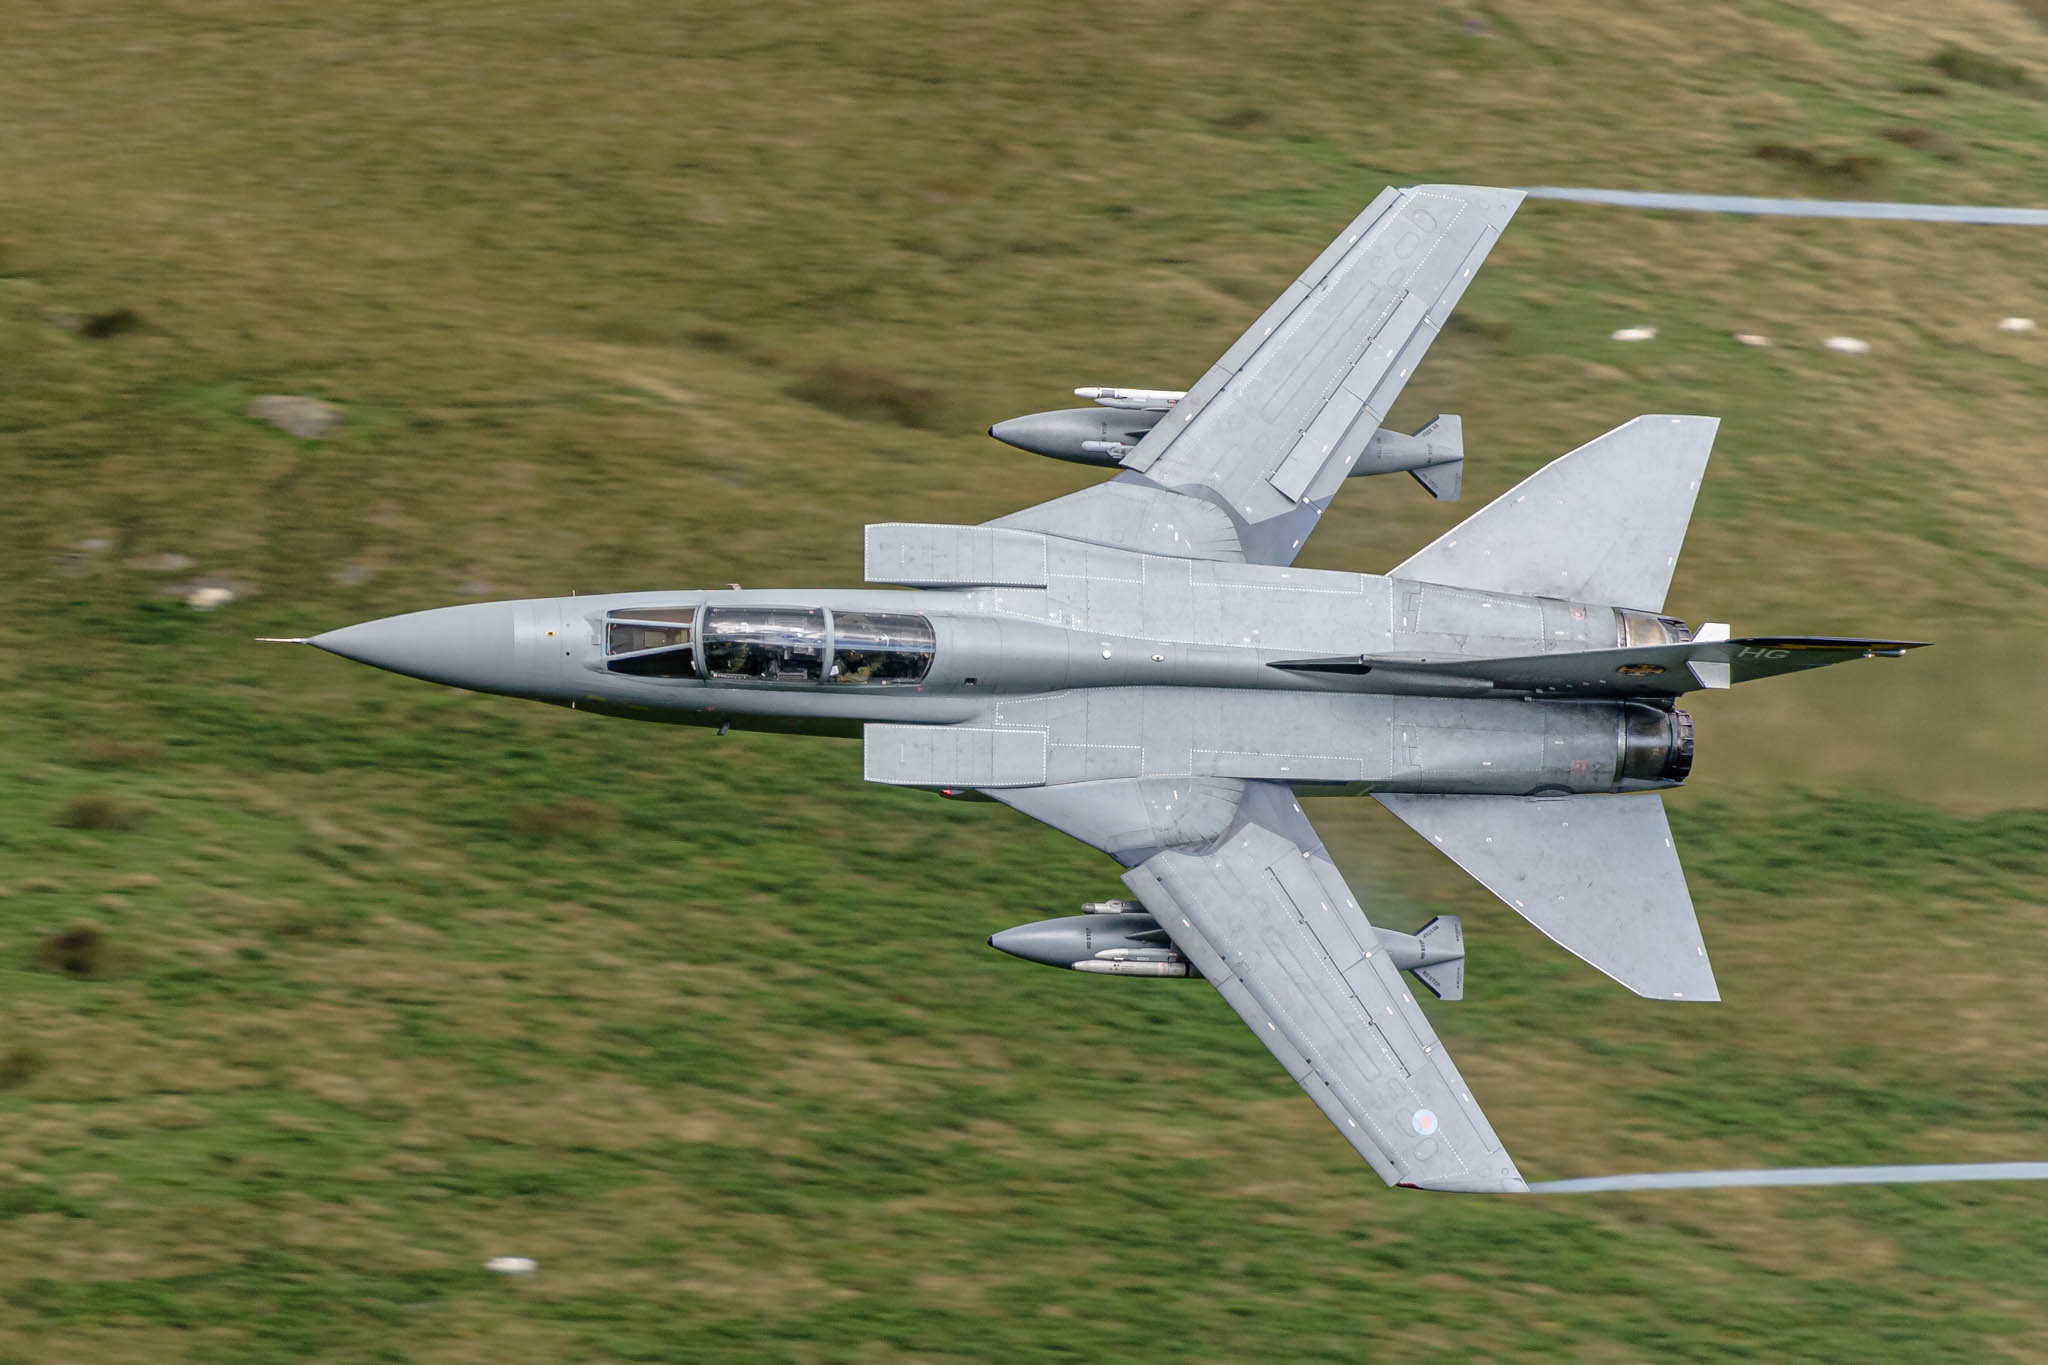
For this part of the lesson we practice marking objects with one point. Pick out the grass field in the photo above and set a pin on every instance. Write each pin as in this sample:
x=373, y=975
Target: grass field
x=318, y=987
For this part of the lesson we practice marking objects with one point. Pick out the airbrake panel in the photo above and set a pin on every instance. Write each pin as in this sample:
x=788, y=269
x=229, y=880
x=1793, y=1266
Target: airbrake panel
x=952, y=756
x=918, y=555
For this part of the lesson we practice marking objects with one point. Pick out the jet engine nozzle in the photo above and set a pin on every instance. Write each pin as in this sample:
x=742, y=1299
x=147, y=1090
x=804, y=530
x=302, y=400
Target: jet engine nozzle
x=1656, y=747
x=1643, y=629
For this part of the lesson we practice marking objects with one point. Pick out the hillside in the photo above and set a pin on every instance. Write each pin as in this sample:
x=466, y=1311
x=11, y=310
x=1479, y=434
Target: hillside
x=318, y=987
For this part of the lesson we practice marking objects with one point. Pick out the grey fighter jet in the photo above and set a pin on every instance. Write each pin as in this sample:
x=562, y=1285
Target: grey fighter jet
x=1139, y=666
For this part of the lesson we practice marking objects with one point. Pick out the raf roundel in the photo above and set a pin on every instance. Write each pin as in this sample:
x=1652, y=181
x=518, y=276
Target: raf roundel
x=1424, y=1122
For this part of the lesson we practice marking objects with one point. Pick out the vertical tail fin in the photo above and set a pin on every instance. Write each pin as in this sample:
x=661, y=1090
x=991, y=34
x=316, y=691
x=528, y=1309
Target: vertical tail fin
x=1602, y=524
x=1442, y=479
x=1443, y=946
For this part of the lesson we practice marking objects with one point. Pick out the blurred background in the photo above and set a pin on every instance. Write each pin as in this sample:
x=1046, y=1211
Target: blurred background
x=319, y=987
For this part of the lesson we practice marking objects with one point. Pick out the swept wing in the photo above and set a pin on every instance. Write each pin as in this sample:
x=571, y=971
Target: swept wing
x=1244, y=465
x=1267, y=918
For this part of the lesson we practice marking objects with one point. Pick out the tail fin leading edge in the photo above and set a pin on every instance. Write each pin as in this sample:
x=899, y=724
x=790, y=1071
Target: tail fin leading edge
x=1601, y=524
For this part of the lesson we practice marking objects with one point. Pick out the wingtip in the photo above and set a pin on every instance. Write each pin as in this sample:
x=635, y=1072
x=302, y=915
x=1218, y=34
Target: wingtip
x=1509, y=197
x=283, y=639
x=1507, y=1182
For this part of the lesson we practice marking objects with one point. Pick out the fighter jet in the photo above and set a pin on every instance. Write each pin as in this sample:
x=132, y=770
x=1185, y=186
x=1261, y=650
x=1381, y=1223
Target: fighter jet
x=1140, y=666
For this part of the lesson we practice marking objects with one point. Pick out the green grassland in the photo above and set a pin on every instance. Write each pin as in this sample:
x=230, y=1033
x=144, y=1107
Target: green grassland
x=318, y=987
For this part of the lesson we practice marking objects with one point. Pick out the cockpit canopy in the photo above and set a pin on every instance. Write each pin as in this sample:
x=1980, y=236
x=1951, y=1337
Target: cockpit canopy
x=880, y=647
x=770, y=644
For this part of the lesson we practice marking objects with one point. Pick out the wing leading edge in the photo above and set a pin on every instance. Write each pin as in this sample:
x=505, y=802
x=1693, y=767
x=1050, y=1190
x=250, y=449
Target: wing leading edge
x=1244, y=465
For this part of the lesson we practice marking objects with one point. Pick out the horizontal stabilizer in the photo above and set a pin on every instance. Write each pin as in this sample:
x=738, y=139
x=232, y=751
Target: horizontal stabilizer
x=1602, y=524
x=1644, y=671
x=1597, y=874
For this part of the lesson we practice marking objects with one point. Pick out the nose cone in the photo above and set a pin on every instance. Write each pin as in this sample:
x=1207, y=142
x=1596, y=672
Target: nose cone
x=1054, y=942
x=468, y=646
x=1017, y=431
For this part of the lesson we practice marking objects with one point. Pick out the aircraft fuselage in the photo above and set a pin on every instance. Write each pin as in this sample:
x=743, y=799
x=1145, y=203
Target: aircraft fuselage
x=1152, y=667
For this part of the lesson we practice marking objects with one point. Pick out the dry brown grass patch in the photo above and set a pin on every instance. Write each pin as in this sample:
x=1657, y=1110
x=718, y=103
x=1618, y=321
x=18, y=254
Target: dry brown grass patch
x=103, y=1057
x=578, y=819
x=100, y=811
x=856, y=391
x=18, y=1065
x=1768, y=1233
x=1921, y=138
x=110, y=752
x=81, y=950
x=60, y=1247
x=1962, y=64
x=1854, y=168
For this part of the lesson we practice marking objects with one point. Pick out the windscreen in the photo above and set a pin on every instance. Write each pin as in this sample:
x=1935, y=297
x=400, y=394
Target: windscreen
x=651, y=643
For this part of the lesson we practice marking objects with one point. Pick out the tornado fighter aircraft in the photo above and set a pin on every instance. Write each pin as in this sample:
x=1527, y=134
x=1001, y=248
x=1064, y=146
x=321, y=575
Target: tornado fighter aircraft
x=1140, y=666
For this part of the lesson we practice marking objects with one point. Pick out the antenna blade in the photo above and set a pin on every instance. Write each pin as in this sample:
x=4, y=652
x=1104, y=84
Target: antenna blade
x=1795, y=208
